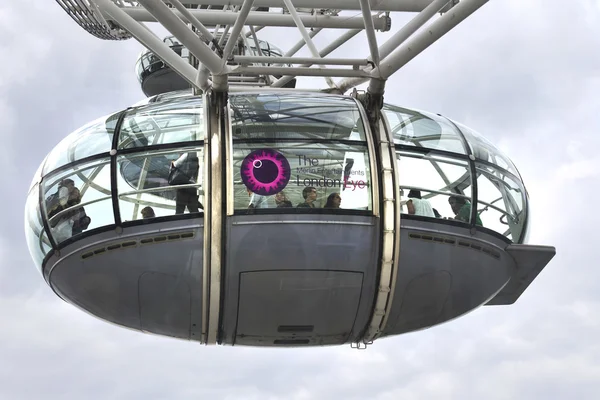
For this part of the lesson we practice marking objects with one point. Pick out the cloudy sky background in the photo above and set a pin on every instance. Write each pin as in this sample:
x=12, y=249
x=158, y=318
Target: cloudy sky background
x=525, y=74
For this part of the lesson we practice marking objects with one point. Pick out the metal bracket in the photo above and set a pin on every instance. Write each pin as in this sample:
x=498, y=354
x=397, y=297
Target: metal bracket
x=372, y=101
x=360, y=345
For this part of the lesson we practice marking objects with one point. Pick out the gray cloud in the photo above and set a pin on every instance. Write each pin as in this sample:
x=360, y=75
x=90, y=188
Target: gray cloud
x=523, y=75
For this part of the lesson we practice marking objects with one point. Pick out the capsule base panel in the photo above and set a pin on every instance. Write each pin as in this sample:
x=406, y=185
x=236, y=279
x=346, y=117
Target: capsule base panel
x=148, y=279
x=300, y=279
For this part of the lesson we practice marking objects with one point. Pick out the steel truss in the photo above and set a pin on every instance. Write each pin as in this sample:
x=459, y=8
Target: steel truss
x=203, y=25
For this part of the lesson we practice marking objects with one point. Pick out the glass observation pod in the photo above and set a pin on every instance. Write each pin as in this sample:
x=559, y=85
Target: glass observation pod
x=115, y=221
x=156, y=77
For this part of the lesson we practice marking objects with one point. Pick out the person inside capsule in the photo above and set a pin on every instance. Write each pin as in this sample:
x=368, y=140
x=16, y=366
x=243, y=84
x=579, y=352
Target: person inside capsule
x=282, y=201
x=147, y=212
x=462, y=208
x=184, y=171
x=334, y=200
x=257, y=200
x=70, y=223
x=310, y=196
x=417, y=205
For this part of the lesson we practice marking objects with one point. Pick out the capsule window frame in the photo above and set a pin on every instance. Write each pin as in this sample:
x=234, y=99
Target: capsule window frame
x=365, y=143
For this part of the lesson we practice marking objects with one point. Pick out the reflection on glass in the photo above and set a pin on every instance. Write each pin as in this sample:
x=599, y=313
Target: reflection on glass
x=37, y=239
x=93, y=138
x=160, y=183
x=78, y=200
x=165, y=122
x=484, y=150
x=317, y=171
x=500, y=202
x=435, y=186
x=421, y=129
x=274, y=117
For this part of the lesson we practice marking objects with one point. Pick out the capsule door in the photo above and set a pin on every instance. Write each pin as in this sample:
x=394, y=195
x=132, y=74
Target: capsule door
x=301, y=242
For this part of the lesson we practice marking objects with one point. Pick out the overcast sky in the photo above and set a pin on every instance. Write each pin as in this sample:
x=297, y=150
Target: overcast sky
x=525, y=74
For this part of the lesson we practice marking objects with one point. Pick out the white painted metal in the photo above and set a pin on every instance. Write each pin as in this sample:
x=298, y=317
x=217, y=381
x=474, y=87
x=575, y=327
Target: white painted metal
x=378, y=5
x=301, y=60
x=237, y=18
x=205, y=33
x=301, y=43
x=144, y=36
x=323, y=53
x=416, y=44
x=185, y=35
x=371, y=39
x=237, y=28
x=411, y=27
x=214, y=17
x=424, y=39
x=306, y=37
x=299, y=71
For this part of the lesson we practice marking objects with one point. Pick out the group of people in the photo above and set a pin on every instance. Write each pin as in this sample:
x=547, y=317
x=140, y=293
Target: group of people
x=460, y=206
x=64, y=217
x=309, y=194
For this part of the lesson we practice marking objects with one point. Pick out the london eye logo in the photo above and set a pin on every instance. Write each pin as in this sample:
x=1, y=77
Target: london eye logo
x=265, y=172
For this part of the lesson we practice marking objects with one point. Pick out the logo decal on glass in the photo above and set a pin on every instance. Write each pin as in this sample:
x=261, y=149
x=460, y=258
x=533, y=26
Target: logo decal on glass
x=265, y=172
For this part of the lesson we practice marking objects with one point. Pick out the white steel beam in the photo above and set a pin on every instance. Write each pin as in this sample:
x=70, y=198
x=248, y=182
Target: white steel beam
x=323, y=53
x=301, y=60
x=371, y=39
x=205, y=33
x=411, y=27
x=300, y=44
x=424, y=39
x=186, y=36
x=306, y=37
x=238, y=24
x=379, y=5
x=214, y=17
x=419, y=42
x=299, y=71
x=143, y=35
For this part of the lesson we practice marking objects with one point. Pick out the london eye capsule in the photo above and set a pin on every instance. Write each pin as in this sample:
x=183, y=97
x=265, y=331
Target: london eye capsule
x=277, y=217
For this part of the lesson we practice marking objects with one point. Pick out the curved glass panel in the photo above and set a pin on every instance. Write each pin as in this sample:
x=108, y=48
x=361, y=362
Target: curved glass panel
x=78, y=199
x=501, y=202
x=146, y=191
x=433, y=181
x=173, y=121
x=322, y=175
x=37, y=177
x=37, y=239
x=421, y=129
x=93, y=138
x=314, y=148
x=286, y=117
x=484, y=150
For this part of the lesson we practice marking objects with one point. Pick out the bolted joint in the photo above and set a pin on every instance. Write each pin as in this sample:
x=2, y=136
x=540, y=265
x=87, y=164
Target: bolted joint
x=372, y=100
x=220, y=83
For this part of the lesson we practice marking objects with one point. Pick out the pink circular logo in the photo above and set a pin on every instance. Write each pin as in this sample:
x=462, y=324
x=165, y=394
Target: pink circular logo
x=265, y=172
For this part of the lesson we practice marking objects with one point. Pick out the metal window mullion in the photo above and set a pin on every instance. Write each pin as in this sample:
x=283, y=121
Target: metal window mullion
x=390, y=231
x=207, y=202
x=214, y=227
x=44, y=214
x=113, y=168
x=473, y=171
